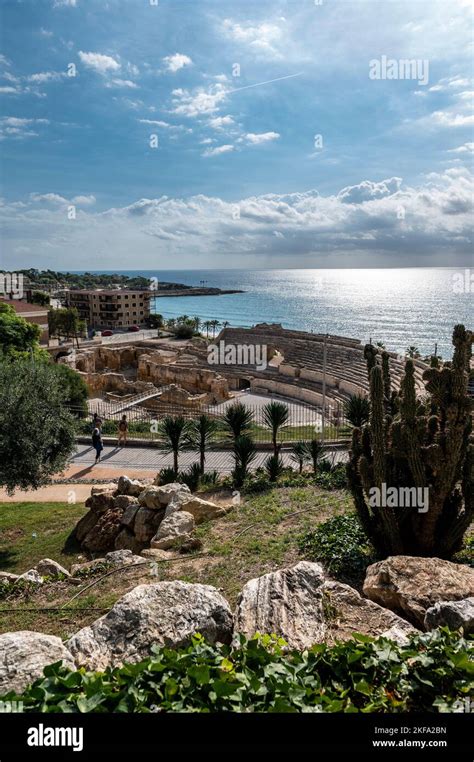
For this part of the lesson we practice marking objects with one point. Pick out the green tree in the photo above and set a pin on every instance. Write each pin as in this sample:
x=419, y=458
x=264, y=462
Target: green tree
x=66, y=322
x=357, y=409
x=75, y=389
x=39, y=297
x=37, y=432
x=245, y=453
x=314, y=451
x=16, y=334
x=214, y=324
x=413, y=352
x=299, y=455
x=155, y=321
x=173, y=430
x=237, y=419
x=275, y=415
x=200, y=436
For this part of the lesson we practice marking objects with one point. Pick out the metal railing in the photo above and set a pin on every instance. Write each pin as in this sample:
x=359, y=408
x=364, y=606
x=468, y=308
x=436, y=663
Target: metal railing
x=304, y=422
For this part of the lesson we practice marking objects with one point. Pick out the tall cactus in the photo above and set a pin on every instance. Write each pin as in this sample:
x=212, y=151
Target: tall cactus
x=423, y=444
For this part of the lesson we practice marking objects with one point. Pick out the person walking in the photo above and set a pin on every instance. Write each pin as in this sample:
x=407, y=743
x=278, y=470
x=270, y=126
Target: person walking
x=97, y=440
x=122, y=431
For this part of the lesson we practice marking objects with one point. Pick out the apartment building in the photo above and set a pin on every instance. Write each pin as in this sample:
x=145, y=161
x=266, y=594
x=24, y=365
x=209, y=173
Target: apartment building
x=114, y=308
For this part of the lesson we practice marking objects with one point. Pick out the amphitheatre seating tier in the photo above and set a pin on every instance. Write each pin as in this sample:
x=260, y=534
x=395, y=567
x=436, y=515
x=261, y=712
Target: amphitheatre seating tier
x=303, y=360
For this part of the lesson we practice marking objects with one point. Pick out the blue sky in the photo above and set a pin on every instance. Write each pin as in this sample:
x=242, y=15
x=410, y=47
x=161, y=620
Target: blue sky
x=155, y=154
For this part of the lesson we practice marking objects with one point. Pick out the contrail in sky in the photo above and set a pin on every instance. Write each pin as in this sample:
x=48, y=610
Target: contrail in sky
x=269, y=81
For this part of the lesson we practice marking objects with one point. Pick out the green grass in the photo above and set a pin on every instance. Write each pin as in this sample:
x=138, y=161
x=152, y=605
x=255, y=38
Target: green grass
x=32, y=531
x=254, y=538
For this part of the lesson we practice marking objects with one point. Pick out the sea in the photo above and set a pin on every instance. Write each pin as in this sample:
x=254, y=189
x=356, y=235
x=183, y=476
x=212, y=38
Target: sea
x=400, y=307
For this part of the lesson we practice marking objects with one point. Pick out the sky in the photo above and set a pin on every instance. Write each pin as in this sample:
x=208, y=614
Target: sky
x=141, y=134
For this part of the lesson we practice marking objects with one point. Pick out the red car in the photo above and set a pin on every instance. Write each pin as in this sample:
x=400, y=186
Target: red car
x=107, y=333
x=134, y=328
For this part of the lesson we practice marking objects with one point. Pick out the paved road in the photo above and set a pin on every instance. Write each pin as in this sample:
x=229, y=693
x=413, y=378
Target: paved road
x=150, y=458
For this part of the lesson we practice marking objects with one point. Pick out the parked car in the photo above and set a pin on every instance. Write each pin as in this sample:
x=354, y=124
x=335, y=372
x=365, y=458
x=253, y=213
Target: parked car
x=134, y=328
x=107, y=333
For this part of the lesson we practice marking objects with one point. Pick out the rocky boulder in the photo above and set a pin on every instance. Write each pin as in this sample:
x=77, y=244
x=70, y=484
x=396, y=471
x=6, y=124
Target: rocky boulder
x=202, y=510
x=101, y=502
x=126, y=501
x=410, y=585
x=23, y=656
x=173, y=529
x=157, y=497
x=452, y=614
x=49, y=568
x=102, y=536
x=300, y=605
x=130, y=487
x=98, y=489
x=146, y=523
x=164, y=613
x=114, y=558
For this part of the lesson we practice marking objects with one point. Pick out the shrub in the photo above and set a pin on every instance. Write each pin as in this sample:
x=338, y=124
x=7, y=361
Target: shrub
x=274, y=467
x=430, y=674
x=184, y=331
x=210, y=478
x=191, y=477
x=340, y=544
x=167, y=475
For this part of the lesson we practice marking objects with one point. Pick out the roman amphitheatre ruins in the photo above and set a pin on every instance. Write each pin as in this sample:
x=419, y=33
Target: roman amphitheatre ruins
x=165, y=374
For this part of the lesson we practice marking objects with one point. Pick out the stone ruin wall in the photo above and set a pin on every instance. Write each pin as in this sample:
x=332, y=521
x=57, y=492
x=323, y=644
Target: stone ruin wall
x=103, y=371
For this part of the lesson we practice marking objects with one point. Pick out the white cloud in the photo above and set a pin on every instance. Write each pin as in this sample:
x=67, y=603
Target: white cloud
x=122, y=83
x=449, y=119
x=6, y=89
x=99, y=62
x=218, y=150
x=19, y=127
x=368, y=191
x=45, y=32
x=64, y=3
x=4, y=60
x=219, y=122
x=176, y=62
x=84, y=200
x=198, y=102
x=49, y=198
x=466, y=148
x=155, y=123
x=256, y=138
x=360, y=223
x=45, y=76
x=260, y=37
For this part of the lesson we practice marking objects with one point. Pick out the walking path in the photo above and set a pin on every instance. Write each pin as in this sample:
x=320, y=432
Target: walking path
x=136, y=462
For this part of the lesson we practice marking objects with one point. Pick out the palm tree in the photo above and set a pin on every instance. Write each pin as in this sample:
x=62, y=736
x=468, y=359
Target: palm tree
x=201, y=435
x=357, y=410
x=413, y=352
x=173, y=430
x=207, y=324
x=197, y=323
x=238, y=419
x=225, y=324
x=171, y=322
x=275, y=415
x=299, y=455
x=314, y=452
x=183, y=319
x=214, y=324
x=245, y=453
